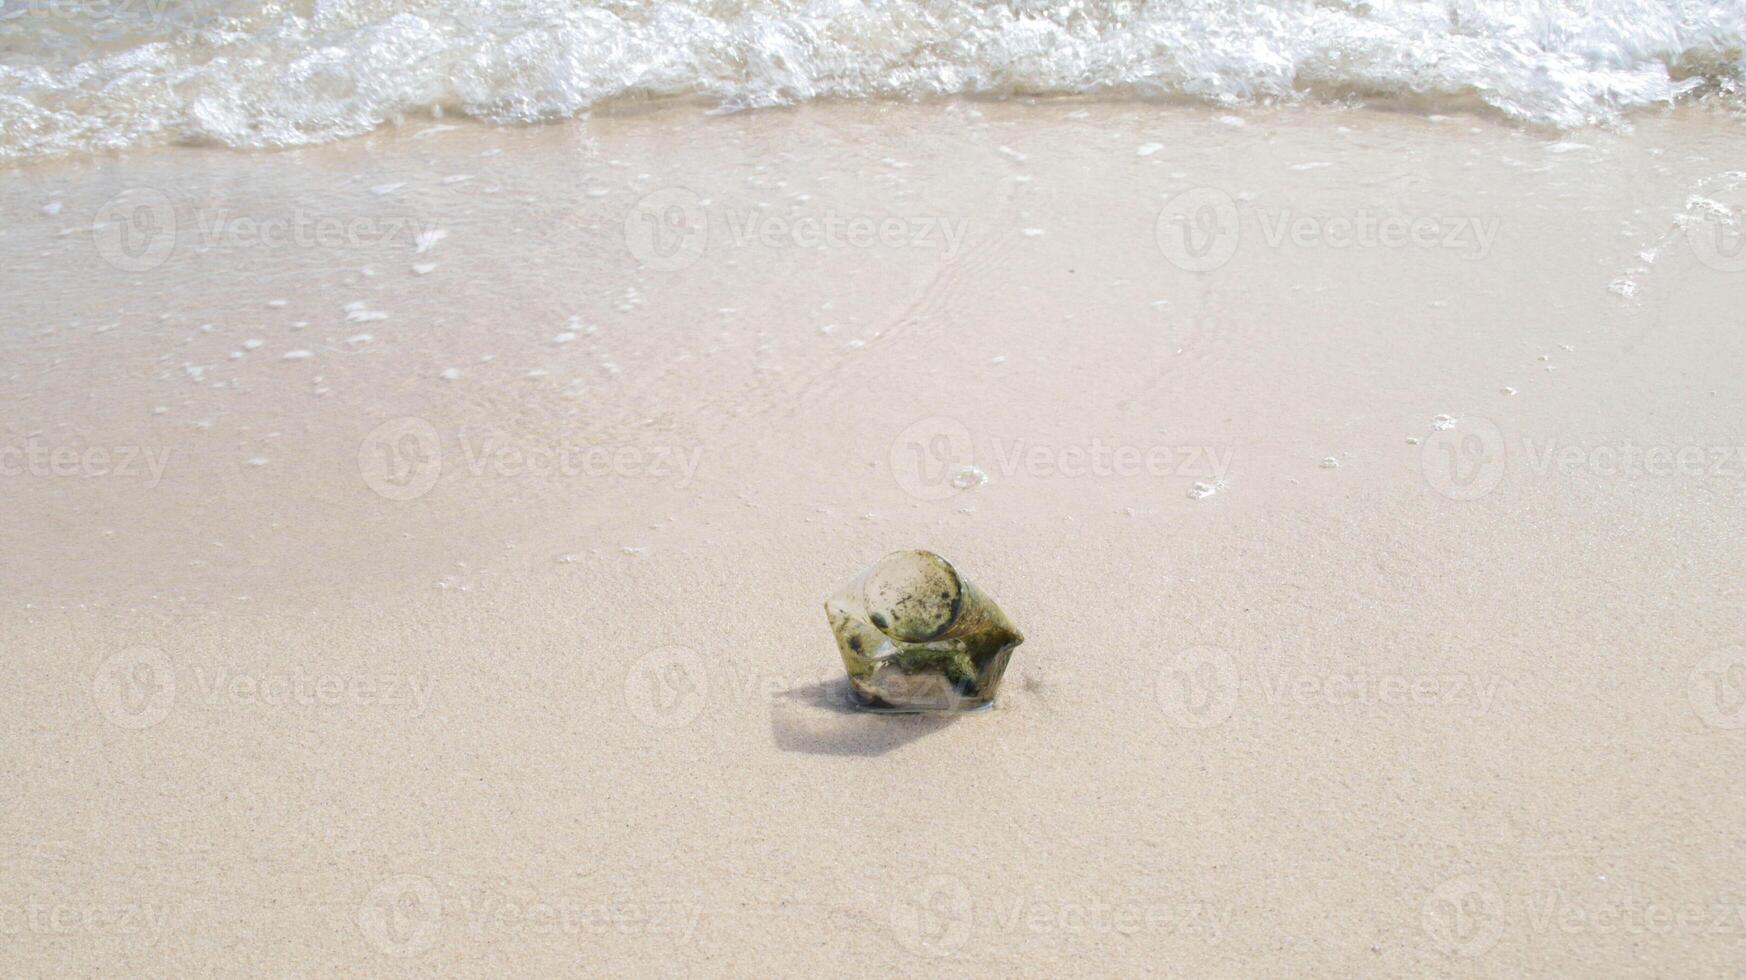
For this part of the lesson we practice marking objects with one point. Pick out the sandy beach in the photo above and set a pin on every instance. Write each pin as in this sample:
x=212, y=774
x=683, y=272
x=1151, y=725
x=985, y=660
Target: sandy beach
x=413, y=548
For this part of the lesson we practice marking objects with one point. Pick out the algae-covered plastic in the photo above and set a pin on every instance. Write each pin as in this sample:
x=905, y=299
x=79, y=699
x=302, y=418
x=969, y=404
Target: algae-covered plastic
x=916, y=636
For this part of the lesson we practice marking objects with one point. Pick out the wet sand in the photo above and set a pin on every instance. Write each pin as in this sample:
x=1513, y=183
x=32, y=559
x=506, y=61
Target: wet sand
x=414, y=549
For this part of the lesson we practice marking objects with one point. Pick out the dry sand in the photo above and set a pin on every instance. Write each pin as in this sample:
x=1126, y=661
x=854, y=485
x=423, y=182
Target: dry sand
x=484, y=636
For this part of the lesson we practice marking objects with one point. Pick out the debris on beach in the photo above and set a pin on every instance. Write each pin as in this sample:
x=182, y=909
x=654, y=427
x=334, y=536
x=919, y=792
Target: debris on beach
x=916, y=636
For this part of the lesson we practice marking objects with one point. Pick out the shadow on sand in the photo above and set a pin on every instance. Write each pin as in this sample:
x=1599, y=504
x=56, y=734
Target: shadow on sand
x=819, y=719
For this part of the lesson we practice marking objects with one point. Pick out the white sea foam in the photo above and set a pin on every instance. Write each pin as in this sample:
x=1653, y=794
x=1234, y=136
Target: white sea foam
x=80, y=75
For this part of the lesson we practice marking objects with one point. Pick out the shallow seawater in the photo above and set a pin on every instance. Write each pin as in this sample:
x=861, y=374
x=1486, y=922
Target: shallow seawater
x=82, y=75
x=466, y=325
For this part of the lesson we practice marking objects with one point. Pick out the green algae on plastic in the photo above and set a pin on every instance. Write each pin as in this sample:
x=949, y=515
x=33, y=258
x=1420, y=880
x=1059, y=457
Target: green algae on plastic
x=915, y=636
